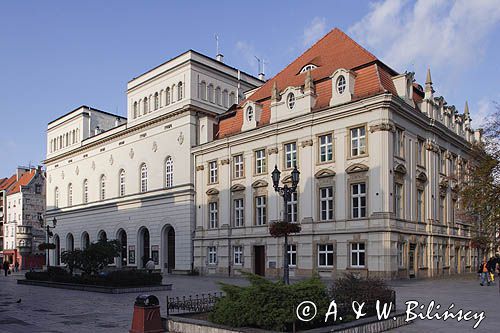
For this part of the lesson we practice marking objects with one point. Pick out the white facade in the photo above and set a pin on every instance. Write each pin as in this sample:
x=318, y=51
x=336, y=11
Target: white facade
x=131, y=179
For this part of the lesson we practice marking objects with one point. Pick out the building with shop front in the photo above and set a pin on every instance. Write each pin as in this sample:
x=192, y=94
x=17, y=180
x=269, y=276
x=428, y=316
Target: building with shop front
x=380, y=159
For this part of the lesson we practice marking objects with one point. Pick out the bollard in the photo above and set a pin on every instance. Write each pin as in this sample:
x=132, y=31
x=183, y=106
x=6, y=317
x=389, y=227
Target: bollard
x=146, y=317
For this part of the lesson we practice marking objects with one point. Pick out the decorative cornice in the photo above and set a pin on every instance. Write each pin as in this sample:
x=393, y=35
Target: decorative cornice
x=212, y=191
x=259, y=183
x=323, y=173
x=273, y=150
x=306, y=143
x=237, y=187
x=224, y=161
x=200, y=167
x=383, y=126
x=357, y=167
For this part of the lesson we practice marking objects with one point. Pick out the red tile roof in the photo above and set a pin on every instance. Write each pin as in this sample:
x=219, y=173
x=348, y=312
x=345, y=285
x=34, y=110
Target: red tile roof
x=23, y=181
x=6, y=183
x=335, y=50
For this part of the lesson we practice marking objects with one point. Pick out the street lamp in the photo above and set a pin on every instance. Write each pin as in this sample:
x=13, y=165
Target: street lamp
x=48, y=235
x=286, y=192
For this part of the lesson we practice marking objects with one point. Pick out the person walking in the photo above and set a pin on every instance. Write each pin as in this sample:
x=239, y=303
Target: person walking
x=483, y=272
x=6, y=266
x=16, y=266
x=492, y=265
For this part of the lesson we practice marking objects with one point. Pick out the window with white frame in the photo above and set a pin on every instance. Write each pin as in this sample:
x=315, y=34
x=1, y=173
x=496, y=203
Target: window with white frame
x=290, y=101
x=212, y=172
x=238, y=166
x=325, y=148
x=239, y=212
x=249, y=113
x=70, y=194
x=308, y=67
x=169, y=172
x=292, y=255
x=341, y=84
x=260, y=161
x=357, y=255
x=122, y=183
x=260, y=210
x=102, y=191
x=180, y=92
x=232, y=98
x=358, y=200
x=398, y=200
x=420, y=206
x=325, y=255
x=358, y=141
x=213, y=214
x=401, y=251
x=292, y=208
x=238, y=255
x=144, y=178
x=56, y=197
x=85, y=191
x=167, y=96
x=212, y=255
x=290, y=155
x=326, y=203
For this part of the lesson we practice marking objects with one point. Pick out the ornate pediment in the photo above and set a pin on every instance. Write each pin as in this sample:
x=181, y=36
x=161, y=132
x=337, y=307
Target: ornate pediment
x=357, y=167
x=287, y=179
x=237, y=187
x=212, y=191
x=259, y=183
x=422, y=177
x=324, y=173
x=401, y=169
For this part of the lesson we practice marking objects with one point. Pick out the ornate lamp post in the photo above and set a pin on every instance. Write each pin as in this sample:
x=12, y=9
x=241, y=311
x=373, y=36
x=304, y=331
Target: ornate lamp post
x=286, y=193
x=47, y=227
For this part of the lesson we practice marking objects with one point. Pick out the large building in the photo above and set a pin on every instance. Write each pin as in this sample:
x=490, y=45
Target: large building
x=186, y=181
x=131, y=178
x=22, y=205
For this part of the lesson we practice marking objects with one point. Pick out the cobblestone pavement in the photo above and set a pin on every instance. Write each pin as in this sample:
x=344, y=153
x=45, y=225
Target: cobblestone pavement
x=57, y=310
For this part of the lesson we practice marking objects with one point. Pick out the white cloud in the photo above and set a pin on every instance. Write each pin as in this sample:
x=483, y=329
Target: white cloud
x=314, y=31
x=248, y=53
x=484, y=108
x=417, y=34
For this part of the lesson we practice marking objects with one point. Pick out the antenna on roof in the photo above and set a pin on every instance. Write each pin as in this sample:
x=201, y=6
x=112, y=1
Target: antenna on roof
x=218, y=55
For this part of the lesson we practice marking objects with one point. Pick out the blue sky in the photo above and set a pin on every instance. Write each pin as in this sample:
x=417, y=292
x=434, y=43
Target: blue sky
x=57, y=55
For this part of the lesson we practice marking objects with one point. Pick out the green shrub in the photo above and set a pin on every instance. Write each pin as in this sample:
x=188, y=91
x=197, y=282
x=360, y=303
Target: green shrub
x=269, y=305
x=38, y=276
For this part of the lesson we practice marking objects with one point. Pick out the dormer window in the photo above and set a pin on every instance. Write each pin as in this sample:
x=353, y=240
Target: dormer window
x=290, y=100
x=308, y=67
x=250, y=113
x=341, y=84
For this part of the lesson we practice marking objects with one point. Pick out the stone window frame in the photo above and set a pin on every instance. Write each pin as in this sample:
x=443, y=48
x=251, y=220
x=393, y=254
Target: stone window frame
x=350, y=252
x=318, y=151
x=325, y=178
x=296, y=154
x=209, y=262
x=349, y=155
x=421, y=152
x=357, y=177
x=290, y=265
x=238, y=193
x=213, y=200
x=242, y=255
x=260, y=190
x=216, y=172
x=399, y=139
x=264, y=171
x=316, y=245
x=233, y=166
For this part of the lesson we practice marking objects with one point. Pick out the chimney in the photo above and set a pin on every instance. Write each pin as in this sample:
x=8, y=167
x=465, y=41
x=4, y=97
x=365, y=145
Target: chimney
x=117, y=122
x=21, y=171
x=219, y=57
x=97, y=130
x=262, y=77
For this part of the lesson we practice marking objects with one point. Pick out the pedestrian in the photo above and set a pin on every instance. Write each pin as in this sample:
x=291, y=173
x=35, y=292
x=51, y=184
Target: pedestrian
x=492, y=265
x=483, y=272
x=150, y=265
x=16, y=266
x=6, y=266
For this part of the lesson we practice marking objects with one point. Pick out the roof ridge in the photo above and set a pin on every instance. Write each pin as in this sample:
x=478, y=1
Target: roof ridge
x=357, y=44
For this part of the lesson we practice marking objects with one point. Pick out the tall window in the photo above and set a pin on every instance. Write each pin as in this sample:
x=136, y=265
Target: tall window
x=292, y=255
x=442, y=161
x=421, y=152
x=238, y=255
x=85, y=191
x=144, y=178
x=325, y=148
x=211, y=93
x=398, y=200
x=146, y=106
x=180, y=92
x=290, y=155
x=326, y=203
x=399, y=142
x=122, y=183
x=260, y=161
x=358, y=199
x=238, y=166
x=232, y=98
x=357, y=254
x=213, y=212
x=225, y=99
x=420, y=206
x=169, y=172
x=102, y=189
x=442, y=209
x=260, y=210
x=401, y=248
x=135, y=109
x=218, y=96
x=212, y=255
x=56, y=197
x=325, y=255
x=341, y=84
x=203, y=90
x=358, y=141
x=292, y=208
x=239, y=212
x=157, y=101
x=70, y=194
x=167, y=96
x=212, y=172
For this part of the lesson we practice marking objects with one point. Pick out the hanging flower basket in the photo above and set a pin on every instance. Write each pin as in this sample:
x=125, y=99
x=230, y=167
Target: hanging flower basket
x=46, y=246
x=281, y=228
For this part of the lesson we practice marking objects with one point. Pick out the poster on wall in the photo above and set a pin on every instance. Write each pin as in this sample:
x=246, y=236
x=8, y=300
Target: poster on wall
x=131, y=254
x=155, y=250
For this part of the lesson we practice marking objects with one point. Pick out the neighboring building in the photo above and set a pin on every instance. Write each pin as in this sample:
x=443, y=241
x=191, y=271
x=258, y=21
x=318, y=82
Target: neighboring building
x=379, y=157
x=131, y=179
x=23, y=205
x=5, y=184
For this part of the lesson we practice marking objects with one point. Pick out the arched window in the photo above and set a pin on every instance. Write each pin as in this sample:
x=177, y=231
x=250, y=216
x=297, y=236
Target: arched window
x=167, y=96
x=56, y=197
x=144, y=178
x=341, y=84
x=70, y=242
x=77, y=134
x=203, y=90
x=74, y=136
x=102, y=187
x=179, y=91
x=135, y=109
x=211, y=93
x=146, y=106
x=60, y=141
x=122, y=183
x=85, y=240
x=67, y=139
x=157, y=101
x=85, y=191
x=173, y=92
x=102, y=236
x=218, y=97
x=70, y=194
x=232, y=98
x=169, y=172
x=225, y=98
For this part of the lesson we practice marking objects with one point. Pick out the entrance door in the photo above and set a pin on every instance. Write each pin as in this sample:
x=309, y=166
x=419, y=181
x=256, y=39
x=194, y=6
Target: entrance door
x=259, y=260
x=145, y=247
x=411, y=261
